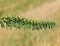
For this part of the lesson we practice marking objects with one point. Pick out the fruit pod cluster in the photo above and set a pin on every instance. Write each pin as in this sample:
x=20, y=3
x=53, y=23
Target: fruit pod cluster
x=25, y=23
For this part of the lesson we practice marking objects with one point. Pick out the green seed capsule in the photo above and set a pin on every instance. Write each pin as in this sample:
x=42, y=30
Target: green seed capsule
x=52, y=24
x=44, y=24
x=36, y=25
x=40, y=25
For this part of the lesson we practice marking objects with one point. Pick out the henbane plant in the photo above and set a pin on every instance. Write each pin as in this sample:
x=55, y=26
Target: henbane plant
x=25, y=23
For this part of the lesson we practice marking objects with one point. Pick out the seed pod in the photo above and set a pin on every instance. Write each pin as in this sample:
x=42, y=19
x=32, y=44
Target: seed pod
x=40, y=25
x=44, y=24
x=36, y=25
x=48, y=25
x=52, y=24
x=33, y=25
x=28, y=24
x=23, y=21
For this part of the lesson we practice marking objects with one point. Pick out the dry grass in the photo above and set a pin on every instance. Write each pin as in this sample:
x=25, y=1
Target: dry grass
x=19, y=37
